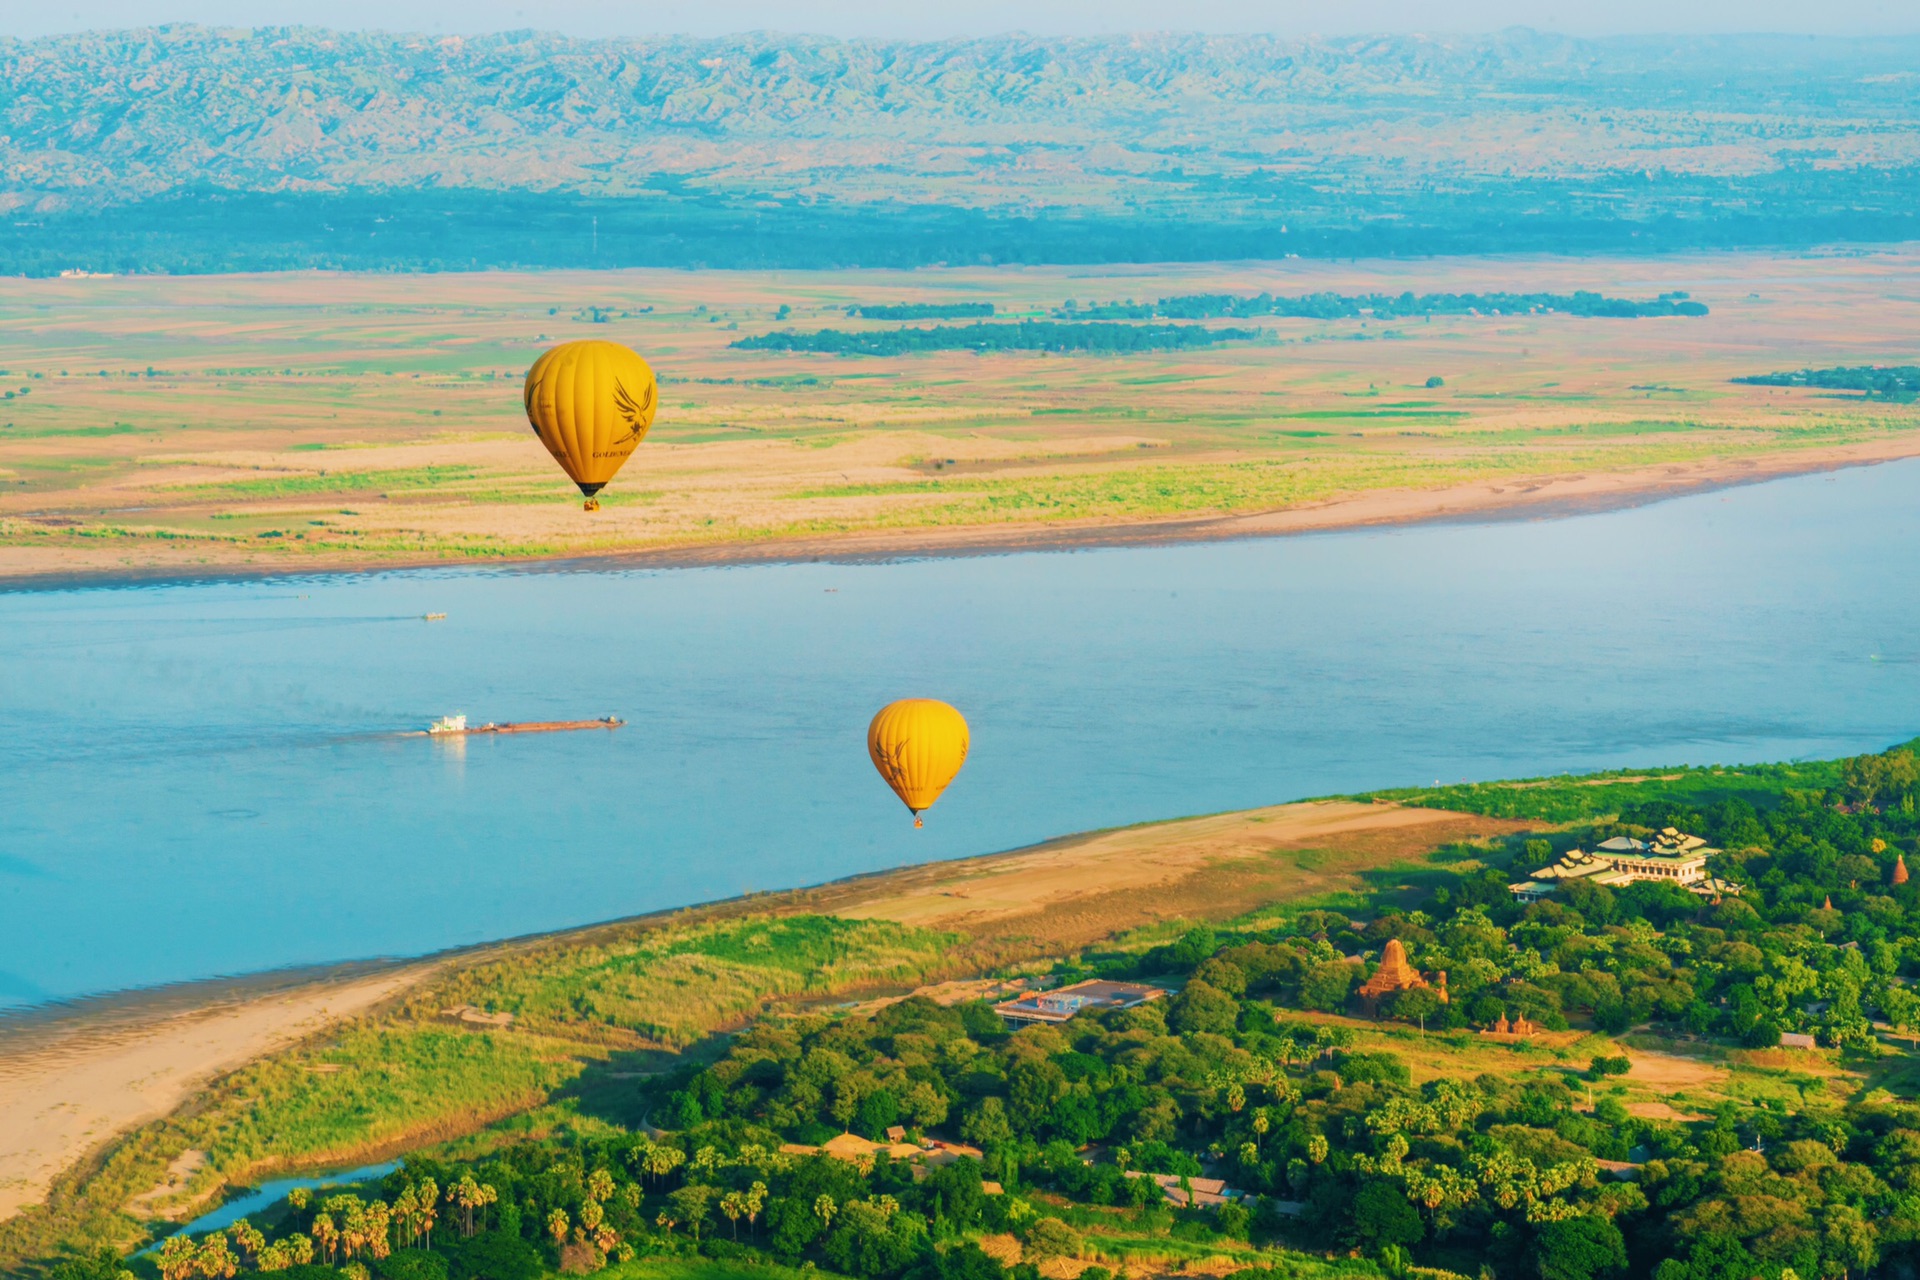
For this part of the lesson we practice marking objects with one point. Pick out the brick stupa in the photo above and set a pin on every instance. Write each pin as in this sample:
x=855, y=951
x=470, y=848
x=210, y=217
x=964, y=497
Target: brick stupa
x=1899, y=868
x=1395, y=975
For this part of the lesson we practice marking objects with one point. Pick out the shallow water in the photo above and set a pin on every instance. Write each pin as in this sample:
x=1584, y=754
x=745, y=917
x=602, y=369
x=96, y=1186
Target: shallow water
x=268, y=1194
x=205, y=778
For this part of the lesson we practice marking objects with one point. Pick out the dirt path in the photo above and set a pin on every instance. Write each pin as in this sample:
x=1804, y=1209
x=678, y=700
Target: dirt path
x=78, y=1088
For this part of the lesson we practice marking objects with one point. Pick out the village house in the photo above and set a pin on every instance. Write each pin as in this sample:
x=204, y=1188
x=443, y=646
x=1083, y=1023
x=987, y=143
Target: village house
x=1055, y=1007
x=1209, y=1193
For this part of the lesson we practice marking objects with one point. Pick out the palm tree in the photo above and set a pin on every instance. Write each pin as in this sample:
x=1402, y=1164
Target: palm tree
x=214, y=1261
x=557, y=1227
x=469, y=1196
x=600, y=1185
x=661, y=1161
x=325, y=1235
x=734, y=1205
x=824, y=1208
x=353, y=1224
x=756, y=1200
x=406, y=1212
x=428, y=1212
x=248, y=1237
x=176, y=1258
x=379, y=1224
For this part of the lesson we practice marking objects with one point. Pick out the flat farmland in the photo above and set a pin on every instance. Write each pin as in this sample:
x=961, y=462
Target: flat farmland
x=303, y=421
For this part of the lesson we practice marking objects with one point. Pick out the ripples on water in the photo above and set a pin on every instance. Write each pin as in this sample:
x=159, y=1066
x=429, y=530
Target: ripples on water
x=204, y=778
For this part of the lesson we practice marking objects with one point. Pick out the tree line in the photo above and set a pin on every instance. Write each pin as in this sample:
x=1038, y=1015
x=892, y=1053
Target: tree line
x=1384, y=306
x=922, y=311
x=1899, y=383
x=1025, y=335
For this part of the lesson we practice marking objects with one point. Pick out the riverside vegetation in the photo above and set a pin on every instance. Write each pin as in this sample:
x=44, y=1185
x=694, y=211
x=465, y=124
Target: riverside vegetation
x=1411, y=1144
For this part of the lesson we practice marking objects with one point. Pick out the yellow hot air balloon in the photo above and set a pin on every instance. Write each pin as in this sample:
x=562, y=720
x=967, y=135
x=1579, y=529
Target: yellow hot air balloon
x=918, y=745
x=590, y=403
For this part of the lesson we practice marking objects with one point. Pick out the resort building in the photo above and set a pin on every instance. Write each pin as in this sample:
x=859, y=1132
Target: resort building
x=1671, y=856
x=1055, y=1007
x=1395, y=975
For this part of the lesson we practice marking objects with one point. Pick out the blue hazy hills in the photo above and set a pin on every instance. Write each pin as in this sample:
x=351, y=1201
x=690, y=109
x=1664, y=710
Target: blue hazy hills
x=193, y=148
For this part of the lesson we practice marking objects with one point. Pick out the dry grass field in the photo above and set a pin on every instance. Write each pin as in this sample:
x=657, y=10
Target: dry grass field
x=313, y=420
x=1078, y=890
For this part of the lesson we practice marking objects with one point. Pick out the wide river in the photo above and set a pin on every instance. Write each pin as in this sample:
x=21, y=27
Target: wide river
x=209, y=778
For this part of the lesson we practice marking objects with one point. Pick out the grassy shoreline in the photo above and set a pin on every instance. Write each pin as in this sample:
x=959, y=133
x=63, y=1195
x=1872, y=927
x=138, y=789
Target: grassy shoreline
x=449, y=1084
x=49, y=564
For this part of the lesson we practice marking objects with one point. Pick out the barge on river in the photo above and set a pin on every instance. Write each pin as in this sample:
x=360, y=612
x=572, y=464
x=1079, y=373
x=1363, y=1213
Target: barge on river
x=457, y=726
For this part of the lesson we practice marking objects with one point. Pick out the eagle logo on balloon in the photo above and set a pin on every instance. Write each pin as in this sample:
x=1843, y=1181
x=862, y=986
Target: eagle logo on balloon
x=634, y=414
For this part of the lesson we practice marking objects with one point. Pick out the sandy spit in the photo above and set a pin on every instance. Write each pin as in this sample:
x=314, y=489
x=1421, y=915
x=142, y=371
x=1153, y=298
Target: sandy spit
x=1511, y=498
x=72, y=1084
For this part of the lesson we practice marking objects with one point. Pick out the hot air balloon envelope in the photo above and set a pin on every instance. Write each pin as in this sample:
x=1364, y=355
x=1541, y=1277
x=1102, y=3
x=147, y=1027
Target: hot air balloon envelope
x=590, y=403
x=918, y=745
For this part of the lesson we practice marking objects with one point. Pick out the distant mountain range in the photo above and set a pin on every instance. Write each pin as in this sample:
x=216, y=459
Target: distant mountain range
x=194, y=148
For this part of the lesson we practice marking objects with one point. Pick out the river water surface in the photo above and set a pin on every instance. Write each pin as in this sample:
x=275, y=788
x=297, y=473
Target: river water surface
x=205, y=778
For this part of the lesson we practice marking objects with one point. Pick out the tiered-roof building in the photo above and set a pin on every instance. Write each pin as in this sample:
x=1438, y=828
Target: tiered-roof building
x=1672, y=856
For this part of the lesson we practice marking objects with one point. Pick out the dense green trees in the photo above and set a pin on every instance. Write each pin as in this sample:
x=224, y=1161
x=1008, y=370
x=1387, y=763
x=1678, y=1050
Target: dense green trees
x=1889, y=382
x=1385, y=306
x=922, y=311
x=1022, y=335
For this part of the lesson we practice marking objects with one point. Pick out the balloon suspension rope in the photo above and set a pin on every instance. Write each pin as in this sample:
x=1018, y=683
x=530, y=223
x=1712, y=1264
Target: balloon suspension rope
x=591, y=504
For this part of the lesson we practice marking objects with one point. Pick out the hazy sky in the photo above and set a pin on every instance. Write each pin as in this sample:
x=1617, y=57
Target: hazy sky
x=918, y=18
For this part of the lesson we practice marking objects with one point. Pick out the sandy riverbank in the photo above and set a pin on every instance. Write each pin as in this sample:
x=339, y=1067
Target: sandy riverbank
x=71, y=1081
x=1541, y=497
x=69, y=1084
